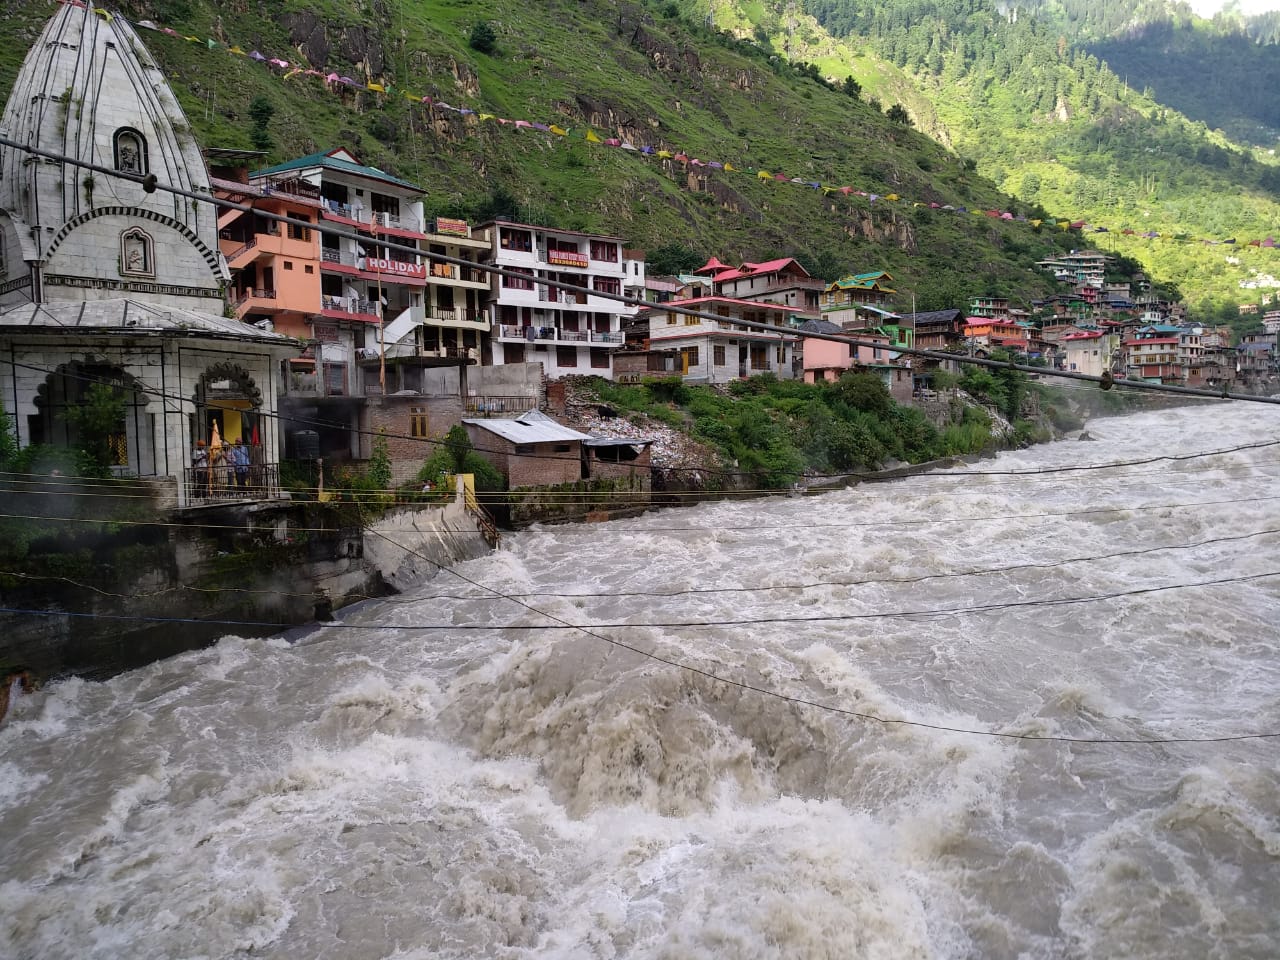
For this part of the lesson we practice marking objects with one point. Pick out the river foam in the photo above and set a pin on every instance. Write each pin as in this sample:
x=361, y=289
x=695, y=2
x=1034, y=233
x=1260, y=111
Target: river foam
x=441, y=775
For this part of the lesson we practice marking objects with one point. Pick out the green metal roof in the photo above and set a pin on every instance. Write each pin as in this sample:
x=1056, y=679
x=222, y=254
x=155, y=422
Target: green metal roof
x=339, y=165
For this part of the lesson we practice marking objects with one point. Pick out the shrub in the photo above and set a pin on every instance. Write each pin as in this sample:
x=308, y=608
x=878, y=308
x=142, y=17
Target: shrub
x=483, y=38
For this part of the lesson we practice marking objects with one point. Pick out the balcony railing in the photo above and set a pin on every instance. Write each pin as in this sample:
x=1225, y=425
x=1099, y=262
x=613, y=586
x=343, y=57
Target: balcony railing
x=345, y=210
x=244, y=248
x=349, y=305
x=344, y=257
x=455, y=315
x=395, y=222
x=607, y=338
x=244, y=296
x=261, y=481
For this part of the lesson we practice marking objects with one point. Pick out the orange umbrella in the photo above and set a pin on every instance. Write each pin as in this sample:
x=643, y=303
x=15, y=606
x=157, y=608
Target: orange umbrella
x=215, y=451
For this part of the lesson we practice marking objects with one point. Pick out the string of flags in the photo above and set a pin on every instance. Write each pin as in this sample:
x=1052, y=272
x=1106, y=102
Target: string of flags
x=288, y=70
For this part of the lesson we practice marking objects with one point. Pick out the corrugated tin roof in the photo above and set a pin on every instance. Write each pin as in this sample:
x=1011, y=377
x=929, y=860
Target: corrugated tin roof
x=337, y=164
x=530, y=427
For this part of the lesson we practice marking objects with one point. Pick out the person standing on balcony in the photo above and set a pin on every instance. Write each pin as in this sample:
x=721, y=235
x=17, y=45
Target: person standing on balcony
x=200, y=468
x=240, y=460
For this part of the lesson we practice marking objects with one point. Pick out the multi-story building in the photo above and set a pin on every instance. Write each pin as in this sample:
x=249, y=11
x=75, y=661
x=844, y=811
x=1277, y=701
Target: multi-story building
x=783, y=281
x=990, y=308
x=534, y=320
x=372, y=317
x=1153, y=356
x=1081, y=268
x=859, y=301
x=997, y=333
x=1085, y=352
x=1191, y=355
x=717, y=351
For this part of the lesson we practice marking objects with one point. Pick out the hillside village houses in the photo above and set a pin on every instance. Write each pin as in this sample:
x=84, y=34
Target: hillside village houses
x=308, y=344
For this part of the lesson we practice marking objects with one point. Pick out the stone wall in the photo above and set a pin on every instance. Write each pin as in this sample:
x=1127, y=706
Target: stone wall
x=258, y=568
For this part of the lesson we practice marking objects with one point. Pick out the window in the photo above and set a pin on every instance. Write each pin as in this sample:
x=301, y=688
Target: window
x=308, y=268
x=518, y=283
x=288, y=264
x=717, y=355
x=524, y=448
x=690, y=357
x=419, y=423
x=518, y=240
x=130, y=148
x=671, y=319
x=600, y=359
x=692, y=321
x=137, y=253
x=299, y=233
x=567, y=356
x=603, y=250
x=607, y=285
x=562, y=448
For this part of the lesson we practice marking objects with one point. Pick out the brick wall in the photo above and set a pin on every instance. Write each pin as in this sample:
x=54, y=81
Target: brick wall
x=393, y=417
x=640, y=469
x=555, y=397
x=547, y=463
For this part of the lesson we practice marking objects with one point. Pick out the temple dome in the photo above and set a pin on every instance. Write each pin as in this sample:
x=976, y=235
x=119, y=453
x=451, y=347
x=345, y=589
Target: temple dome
x=88, y=89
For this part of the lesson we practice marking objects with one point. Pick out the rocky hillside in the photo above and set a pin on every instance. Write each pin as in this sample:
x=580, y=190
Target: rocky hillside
x=643, y=72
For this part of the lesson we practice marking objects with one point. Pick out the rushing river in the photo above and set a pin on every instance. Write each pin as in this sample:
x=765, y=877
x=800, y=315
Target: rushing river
x=379, y=790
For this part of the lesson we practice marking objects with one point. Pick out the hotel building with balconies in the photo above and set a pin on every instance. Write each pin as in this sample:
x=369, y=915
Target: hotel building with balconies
x=372, y=315
x=535, y=320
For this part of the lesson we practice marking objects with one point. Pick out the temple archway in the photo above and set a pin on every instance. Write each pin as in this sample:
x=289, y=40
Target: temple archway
x=128, y=442
x=227, y=397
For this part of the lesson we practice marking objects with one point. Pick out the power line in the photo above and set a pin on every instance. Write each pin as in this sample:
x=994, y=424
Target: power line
x=666, y=594
x=663, y=625
x=589, y=630
x=719, y=528
x=150, y=183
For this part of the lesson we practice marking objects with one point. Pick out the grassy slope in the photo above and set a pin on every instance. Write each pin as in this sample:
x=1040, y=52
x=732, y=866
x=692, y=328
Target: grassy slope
x=710, y=96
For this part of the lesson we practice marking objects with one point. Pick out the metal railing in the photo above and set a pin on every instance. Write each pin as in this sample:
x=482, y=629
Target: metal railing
x=244, y=248
x=349, y=305
x=499, y=406
x=329, y=255
x=259, y=481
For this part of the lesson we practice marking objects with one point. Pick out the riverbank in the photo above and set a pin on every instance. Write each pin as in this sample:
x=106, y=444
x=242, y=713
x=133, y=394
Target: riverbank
x=181, y=581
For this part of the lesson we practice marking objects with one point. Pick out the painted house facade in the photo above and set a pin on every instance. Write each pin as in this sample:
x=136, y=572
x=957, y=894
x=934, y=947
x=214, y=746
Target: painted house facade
x=720, y=350
x=532, y=320
x=783, y=281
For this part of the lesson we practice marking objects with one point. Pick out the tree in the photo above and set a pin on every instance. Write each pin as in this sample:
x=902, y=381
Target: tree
x=866, y=392
x=852, y=88
x=95, y=419
x=898, y=114
x=457, y=444
x=500, y=203
x=672, y=259
x=483, y=38
x=261, y=110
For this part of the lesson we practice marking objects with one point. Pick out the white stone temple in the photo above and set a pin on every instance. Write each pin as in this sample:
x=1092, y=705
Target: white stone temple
x=102, y=281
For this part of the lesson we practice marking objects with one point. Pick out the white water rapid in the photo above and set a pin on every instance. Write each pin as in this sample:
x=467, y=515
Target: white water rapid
x=379, y=792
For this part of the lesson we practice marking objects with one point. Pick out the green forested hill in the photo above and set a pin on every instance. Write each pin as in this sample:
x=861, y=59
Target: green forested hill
x=651, y=73
x=756, y=83
x=1016, y=88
